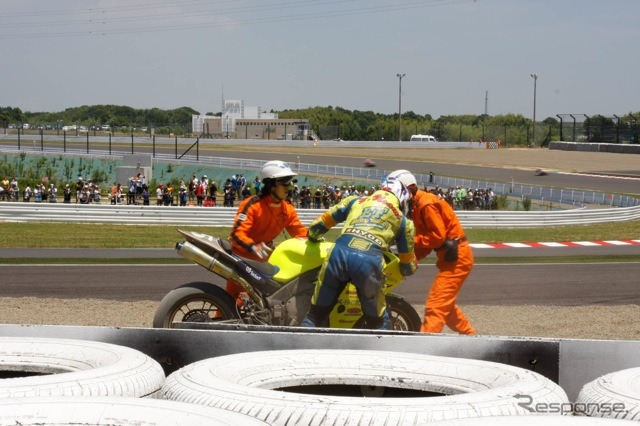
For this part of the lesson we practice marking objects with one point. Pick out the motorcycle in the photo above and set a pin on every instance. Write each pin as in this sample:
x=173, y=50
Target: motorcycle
x=276, y=293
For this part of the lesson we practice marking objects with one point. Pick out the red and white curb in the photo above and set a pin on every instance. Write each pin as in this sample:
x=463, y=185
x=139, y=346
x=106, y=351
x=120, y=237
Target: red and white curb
x=554, y=244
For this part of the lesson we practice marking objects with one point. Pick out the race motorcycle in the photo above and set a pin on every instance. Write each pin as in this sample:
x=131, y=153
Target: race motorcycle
x=277, y=293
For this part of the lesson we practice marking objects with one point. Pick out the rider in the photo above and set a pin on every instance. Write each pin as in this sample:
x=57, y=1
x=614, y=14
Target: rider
x=372, y=224
x=262, y=217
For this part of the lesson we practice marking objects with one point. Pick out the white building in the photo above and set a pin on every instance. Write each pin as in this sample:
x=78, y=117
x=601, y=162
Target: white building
x=238, y=121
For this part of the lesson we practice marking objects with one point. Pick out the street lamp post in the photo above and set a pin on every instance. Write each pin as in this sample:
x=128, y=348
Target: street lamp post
x=400, y=106
x=535, y=81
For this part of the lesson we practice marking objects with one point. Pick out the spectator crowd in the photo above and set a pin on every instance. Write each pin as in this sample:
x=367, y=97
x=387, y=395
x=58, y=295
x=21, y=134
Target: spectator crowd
x=207, y=193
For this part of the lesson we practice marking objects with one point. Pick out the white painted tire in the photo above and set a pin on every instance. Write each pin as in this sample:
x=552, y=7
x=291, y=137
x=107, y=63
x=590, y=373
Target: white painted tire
x=115, y=411
x=245, y=383
x=532, y=421
x=66, y=367
x=615, y=395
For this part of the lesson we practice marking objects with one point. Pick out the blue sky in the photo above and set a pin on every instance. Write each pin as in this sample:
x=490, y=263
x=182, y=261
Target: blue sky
x=289, y=54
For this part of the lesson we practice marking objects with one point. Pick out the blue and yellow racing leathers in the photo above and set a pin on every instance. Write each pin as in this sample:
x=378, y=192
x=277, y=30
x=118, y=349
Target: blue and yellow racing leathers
x=372, y=224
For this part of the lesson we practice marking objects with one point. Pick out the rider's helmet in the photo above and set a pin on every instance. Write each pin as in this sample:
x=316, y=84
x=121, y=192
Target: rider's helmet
x=398, y=183
x=276, y=170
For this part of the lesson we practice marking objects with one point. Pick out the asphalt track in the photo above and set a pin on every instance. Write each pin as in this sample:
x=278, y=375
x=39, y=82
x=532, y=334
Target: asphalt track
x=558, y=284
x=527, y=177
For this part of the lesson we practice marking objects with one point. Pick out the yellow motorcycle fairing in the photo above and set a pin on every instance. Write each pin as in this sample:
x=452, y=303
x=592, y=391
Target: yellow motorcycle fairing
x=296, y=256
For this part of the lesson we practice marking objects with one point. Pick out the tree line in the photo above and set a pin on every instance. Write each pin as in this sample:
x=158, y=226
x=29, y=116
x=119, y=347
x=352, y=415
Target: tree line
x=328, y=122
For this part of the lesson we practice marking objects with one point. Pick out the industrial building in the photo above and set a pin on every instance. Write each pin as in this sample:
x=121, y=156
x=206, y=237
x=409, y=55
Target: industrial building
x=238, y=121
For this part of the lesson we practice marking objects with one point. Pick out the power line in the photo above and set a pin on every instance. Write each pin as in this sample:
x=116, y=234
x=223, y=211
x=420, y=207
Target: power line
x=160, y=19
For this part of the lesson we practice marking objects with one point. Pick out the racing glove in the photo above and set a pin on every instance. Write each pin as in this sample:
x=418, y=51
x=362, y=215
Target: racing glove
x=314, y=237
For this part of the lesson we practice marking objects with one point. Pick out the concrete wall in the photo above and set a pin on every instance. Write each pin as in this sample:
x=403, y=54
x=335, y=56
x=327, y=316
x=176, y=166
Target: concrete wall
x=596, y=147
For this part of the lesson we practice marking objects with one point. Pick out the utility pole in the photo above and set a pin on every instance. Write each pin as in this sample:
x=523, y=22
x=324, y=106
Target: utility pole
x=400, y=106
x=486, y=102
x=535, y=81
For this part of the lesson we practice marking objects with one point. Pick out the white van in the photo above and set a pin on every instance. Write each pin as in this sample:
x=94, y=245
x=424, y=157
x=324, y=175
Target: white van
x=422, y=138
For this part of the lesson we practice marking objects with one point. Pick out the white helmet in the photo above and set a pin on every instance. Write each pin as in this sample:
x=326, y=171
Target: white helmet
x=404, y=176
x=276, y=170
x=395, y=183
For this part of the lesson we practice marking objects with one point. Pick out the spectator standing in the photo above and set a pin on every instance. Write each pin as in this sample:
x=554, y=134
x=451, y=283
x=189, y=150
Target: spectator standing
x=113, y=193
x=256, y=185
x=242, y=183
x=438, y=229
x=79, y=187
x=305, y=197
x=67, y=194
x=200, y=193
x=235, y=186
x=246, y=192
x=140, y=181
x=5, y=188
x=182, y=195
x=53, y=193
x=145, y=194
x=159, y=195
x=27, y=194
x=37, y=194
x=317, y=198
x=14, y=189
x=131, y=195
x=168, y=195
x=193, y=183
x=372, y=224
x=261, y=218
x=213, y=191
x=229, y=195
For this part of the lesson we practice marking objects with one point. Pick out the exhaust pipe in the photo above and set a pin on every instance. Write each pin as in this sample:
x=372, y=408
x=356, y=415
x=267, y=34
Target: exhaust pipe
x=196, y=255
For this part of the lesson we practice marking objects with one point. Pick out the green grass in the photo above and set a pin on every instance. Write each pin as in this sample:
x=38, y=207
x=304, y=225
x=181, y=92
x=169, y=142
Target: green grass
x=50, y=235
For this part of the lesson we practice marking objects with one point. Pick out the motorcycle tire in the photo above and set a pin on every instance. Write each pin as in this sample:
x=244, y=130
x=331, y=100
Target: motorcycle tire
x=195, y=302
x=403, y=316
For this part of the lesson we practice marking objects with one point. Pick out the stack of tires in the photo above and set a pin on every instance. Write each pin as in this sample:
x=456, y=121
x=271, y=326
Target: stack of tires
x=64, y=382
x=252, y=383
x=59, y=381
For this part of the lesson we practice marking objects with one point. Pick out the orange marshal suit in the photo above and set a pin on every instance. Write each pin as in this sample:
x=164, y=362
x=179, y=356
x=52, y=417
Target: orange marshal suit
x=435, y=221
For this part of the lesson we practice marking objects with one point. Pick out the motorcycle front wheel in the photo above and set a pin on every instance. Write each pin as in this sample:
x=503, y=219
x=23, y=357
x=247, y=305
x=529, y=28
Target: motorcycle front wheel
x=195, y=302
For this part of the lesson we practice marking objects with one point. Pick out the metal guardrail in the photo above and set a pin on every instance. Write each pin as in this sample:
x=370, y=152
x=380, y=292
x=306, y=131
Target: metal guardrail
x=223, y=216
x=570, y=197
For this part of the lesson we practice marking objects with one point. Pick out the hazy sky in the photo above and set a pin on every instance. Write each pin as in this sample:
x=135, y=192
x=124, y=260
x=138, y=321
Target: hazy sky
x=289, y=54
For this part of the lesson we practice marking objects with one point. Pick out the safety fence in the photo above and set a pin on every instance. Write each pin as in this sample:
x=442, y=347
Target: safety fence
x=223, y=216
x=570, y=197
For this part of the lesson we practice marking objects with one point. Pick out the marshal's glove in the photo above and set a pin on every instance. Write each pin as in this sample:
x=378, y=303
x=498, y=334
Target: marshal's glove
x=261, y=250
x=450, y=248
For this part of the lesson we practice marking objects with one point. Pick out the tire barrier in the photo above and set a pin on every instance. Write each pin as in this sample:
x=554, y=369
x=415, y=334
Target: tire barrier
x=534, y=421
x=248, y=383
x=614, y=395
x=65, y=367
x=115, y=411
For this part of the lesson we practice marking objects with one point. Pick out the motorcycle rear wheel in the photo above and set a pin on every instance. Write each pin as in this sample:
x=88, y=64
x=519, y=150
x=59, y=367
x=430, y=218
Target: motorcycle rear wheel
x=195, y=302
x=403, y=316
